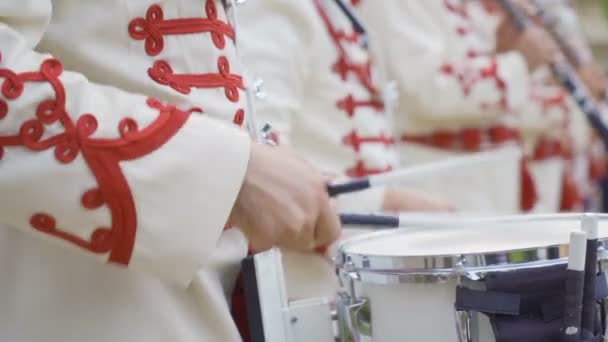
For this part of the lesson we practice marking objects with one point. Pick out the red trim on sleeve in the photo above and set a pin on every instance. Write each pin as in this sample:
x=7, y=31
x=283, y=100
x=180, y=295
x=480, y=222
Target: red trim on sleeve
x=102, y=155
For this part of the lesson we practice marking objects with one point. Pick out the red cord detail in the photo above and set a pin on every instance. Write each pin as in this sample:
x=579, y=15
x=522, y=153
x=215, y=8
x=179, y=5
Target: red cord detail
x=360, y=170
x=349, y=105
x=469, y=78
x=162, y=73
x=239, y=117
x=458, y=9
x=154, y=27
x=102, y=155
x=363, y=72
x=558, y=101
x=529, y=195
x=463, y=31
x=354, y=140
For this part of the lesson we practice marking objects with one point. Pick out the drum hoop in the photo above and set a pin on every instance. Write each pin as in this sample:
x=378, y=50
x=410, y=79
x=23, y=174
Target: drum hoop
x=441, y=268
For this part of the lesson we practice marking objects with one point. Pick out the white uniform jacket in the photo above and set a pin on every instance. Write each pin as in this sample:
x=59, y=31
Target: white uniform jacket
x=325, y=100
x=456, y=94
x=116, y=176
x=323, y=96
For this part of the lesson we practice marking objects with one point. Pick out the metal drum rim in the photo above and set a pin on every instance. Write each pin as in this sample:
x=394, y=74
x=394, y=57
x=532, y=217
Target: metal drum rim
x=446, y=266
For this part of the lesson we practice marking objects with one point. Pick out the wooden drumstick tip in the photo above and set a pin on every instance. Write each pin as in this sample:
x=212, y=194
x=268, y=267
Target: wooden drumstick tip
x=578, y=250
x=590, y=225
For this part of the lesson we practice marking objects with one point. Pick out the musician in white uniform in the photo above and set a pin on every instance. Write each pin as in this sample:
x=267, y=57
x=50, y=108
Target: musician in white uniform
x=457, y=94
x=546, y=121
x=589, y=164
x=117, y=174
x=326, y=101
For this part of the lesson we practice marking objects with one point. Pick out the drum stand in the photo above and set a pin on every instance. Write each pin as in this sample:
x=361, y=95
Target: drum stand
x=272, y=318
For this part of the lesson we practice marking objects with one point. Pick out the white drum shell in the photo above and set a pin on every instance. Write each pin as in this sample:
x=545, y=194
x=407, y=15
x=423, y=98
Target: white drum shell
x=417, y=312
x=410, y=311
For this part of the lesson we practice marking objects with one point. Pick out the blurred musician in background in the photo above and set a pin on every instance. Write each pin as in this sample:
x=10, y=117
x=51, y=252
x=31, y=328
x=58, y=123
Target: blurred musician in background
x=327, y=101
x=561, y=19
x=461, y=92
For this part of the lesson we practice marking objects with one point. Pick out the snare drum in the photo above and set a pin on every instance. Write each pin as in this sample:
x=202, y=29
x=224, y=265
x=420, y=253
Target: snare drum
x=401, y=285
x=310, y=275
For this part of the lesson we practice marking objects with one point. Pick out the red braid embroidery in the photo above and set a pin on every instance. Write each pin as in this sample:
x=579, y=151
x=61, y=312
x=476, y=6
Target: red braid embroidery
x=349, y=104
x=154, y=27
x=353, y=139
x=162, y=73
x=102, y=156
x=344, y=66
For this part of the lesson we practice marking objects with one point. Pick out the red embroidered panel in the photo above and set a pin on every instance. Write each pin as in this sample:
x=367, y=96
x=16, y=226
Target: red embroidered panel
x=344, y=66
x=101, y=155
x=154, y=27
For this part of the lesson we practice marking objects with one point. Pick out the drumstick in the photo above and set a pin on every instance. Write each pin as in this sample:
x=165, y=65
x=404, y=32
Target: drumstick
x=564, y=73
x=573, y=299
x=377, y=221
x=397, y=176
x=590, y=227
x=567, y=48
x=352, y=16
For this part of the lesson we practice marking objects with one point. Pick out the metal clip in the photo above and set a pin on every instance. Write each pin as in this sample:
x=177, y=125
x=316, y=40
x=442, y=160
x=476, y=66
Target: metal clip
x=390, y=97
x=464, y=326
x=258, y=89
x=267, y=135
x=228, y=3
x=351, y=324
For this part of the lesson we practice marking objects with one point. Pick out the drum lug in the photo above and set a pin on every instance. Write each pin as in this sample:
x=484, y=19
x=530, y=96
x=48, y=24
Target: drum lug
x=465, y=326
x=349, y=323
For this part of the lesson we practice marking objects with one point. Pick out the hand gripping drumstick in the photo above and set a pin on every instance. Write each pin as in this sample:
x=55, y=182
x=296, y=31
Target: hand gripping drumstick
x=575, y=277
x=565, y=74
x=590, y=227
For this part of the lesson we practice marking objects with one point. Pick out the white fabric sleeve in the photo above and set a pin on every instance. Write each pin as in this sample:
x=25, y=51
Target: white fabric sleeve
x=119, y=177
x=272, y=43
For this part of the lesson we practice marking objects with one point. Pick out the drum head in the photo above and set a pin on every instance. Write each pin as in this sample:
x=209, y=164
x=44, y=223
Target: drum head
x=466, y=244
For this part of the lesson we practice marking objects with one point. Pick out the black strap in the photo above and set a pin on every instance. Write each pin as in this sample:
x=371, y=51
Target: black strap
x=491, y=302
x=601, y=287
x=503, y=303
x=252, y=297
